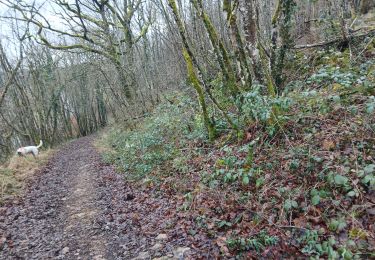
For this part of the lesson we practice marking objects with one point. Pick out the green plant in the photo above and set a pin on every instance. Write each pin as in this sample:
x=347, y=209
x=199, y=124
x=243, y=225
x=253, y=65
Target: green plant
x=228, y=169
x=290, y=204
x=222, y=224
x=367, y=175
x=201, y=221
x=180, y=163
x=337, y=225
x=157, y=140
x=294, y=165
x=188, y=201
x=257, y=107
x=231, y=170
x=312, y=246
x=317, y=195
x=370, y=105
x=257, y=242
x=339, y=181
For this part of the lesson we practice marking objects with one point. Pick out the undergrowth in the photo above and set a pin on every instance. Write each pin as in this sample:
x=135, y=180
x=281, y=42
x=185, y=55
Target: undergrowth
x=304, y=186
x=159, y=139
x=15, y=173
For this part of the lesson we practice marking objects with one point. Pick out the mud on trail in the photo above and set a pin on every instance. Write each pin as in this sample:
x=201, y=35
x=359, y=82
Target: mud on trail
x=76, y=207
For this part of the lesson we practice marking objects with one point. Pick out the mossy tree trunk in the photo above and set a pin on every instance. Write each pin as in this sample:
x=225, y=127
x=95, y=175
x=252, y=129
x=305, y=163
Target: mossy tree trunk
x=287, y=42
x=249, y=21
x=366, y=6
x=280, y=35
x=243, y=66
x=200, y=93
x=221, y=52
x=274, y=37
x=194, y=78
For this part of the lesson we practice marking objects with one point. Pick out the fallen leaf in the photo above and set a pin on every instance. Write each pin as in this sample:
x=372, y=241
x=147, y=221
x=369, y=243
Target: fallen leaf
x=328, y=145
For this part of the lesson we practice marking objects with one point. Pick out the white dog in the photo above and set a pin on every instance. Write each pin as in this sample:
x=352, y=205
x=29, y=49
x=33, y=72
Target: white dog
x=23, y=151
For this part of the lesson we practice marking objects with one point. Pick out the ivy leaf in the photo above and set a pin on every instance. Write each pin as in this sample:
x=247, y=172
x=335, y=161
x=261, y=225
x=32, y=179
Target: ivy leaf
x=228, y=177
x=342, y=225
x=315, y=200
x=333, y=225
x=245, y=179
x=361, y=173
x=289, y=204
x=224, y=223
x=221, y=171
x=368, y=179
x=369, y=168
x=340, y=180
x=259, y=182
x=314, y=192
x=351, y=193
x=370, y=108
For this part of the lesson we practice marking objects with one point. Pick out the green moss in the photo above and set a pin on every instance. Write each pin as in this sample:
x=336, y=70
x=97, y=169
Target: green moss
x=270, y=86
x=199, y=90
x=220, y=50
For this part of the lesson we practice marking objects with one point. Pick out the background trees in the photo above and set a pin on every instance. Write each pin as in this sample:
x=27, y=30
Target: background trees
x=82, y=64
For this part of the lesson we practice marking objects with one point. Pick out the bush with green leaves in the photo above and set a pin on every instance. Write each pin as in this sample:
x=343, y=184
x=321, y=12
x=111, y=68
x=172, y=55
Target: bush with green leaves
x=259, y=107
x=329, y=74
x=344, y=77
x=158, y=139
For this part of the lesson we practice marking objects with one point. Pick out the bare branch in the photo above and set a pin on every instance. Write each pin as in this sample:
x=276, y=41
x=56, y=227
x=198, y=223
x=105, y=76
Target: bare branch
x=330, y=42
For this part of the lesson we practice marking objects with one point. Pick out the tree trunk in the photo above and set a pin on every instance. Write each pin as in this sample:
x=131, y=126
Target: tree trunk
x=249, y=18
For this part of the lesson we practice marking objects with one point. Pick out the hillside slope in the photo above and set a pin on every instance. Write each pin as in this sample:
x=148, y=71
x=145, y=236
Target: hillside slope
x=303, y=187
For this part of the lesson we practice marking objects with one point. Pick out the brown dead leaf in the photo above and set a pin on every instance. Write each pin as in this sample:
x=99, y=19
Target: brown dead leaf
x=300, y=222
x=315, y=211
x=315, y=220
x=221, y=242
x=210, y=225
x=328, y=145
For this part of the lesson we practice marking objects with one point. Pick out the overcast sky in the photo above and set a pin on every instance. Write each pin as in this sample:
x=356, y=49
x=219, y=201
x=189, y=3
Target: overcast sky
x=6, y=25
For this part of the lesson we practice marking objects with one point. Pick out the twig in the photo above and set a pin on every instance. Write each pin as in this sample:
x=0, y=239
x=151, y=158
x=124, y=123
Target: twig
x=292, y=227
x=364, y=48
x=321, y=44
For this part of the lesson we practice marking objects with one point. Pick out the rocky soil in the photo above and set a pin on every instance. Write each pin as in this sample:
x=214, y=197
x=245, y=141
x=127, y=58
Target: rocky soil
x=76, y=207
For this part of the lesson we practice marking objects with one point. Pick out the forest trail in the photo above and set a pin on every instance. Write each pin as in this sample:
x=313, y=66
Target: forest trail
x=78, y=208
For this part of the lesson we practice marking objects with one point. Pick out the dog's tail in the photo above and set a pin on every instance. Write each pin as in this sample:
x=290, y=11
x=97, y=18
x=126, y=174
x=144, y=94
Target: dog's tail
x=40, y=144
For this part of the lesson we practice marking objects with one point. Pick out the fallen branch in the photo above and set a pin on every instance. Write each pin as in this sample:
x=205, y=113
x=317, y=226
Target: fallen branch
x=337, y=40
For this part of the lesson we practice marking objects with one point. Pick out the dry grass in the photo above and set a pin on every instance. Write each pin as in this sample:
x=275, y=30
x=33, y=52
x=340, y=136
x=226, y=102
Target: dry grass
x=15, y=173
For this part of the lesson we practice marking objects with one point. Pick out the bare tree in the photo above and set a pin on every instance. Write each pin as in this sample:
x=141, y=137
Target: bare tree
x=100, y=27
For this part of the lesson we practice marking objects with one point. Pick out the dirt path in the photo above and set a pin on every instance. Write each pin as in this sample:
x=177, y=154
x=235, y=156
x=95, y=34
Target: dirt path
x=78, y=208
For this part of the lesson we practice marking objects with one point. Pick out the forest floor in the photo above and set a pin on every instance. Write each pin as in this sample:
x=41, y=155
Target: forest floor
x=76, y=207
